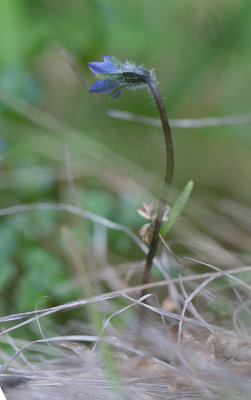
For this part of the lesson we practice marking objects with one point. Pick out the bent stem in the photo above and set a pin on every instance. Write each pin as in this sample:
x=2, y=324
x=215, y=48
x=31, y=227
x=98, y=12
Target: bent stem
x=167, y=180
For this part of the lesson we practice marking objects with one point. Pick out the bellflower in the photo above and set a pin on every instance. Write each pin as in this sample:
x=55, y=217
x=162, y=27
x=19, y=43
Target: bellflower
x=114, y=76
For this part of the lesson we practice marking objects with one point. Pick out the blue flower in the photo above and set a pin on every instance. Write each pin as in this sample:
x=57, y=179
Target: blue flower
x=114, y=76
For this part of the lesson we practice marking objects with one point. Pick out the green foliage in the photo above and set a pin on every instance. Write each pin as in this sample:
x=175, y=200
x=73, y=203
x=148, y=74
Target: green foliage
x=201, y=55
x=218, y=307
x=8, y=242
x=8, y=272
x=177, y=209
x=42, y=272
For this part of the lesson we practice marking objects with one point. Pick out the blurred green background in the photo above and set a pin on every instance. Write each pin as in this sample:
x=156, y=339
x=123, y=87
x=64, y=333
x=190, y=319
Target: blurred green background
x=201, y=54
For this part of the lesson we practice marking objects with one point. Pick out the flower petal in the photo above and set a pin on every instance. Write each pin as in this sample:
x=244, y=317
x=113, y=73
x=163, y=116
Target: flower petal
x=110, y=64
x=117, y=93
x=105, y=67
x=102, y=86
x=107, y=58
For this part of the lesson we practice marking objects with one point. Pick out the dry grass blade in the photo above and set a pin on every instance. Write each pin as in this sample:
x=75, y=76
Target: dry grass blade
x=225, y=273
x=185, y=122
x=192, y=364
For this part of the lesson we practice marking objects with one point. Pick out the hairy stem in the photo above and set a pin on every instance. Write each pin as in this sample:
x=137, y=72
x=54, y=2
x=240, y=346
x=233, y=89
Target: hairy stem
x=167, y=180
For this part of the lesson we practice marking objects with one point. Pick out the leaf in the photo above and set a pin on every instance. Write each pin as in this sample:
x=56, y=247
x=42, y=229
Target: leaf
x=177, y=208
x=218, y=307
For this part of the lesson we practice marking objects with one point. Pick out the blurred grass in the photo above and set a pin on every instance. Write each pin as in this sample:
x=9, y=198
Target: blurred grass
x=201, y=54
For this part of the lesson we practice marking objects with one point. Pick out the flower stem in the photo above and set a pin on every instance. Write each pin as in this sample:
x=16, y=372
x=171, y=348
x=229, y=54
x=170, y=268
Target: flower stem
x=167, y=180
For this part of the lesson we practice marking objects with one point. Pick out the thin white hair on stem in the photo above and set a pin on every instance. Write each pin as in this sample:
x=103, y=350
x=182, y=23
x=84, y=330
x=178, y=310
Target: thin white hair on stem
x=185, y=122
